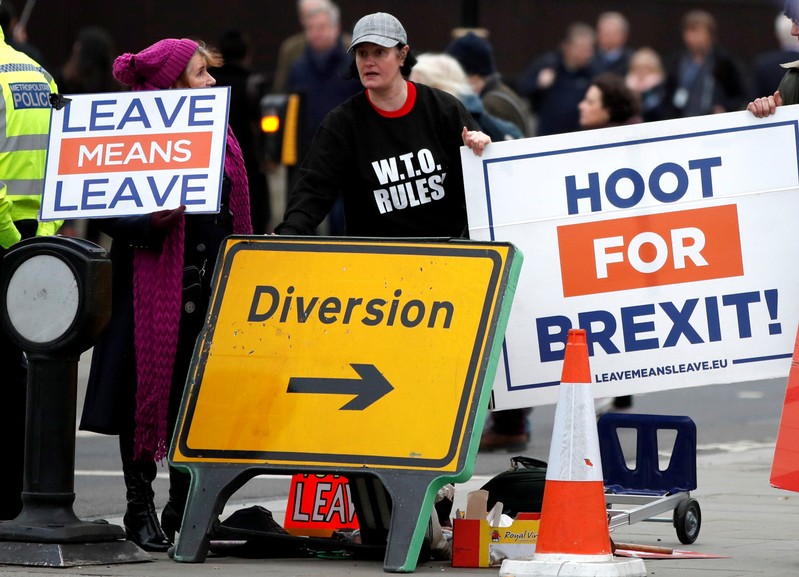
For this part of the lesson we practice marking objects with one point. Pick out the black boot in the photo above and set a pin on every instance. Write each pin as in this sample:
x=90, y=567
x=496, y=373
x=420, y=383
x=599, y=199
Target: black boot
x=141, y=520
x=172, y=515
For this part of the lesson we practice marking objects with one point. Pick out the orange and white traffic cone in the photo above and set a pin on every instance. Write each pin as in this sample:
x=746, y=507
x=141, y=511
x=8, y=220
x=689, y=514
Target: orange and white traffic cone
x=574, y=538
x=785, y=466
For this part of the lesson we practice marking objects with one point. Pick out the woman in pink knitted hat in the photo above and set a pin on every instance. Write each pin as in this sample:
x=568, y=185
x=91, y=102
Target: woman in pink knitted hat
x=162, y=265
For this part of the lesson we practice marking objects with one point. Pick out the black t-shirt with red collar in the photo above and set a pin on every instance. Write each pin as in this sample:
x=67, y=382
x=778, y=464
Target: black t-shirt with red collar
x=399, y=172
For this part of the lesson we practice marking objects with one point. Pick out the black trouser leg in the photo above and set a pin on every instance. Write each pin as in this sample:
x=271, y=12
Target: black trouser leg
x=12, y=427
x=13, y=408
x=172, y=515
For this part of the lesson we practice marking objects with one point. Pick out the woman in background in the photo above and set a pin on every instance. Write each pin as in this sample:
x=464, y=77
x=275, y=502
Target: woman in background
x=609, y=102
x=647, y=79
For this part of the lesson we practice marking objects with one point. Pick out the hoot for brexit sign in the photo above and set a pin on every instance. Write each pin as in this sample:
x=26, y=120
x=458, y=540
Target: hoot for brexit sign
x=672, y=244
x=130, y=153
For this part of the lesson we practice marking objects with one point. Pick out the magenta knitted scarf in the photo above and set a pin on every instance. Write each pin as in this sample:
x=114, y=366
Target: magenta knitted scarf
x=157, y=287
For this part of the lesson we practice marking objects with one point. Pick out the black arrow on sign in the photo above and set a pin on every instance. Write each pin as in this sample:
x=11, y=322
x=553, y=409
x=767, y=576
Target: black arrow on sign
x=369, y=389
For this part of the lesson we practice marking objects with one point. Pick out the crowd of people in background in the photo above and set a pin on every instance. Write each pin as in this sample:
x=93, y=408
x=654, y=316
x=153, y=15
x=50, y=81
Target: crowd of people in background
x=699, y=76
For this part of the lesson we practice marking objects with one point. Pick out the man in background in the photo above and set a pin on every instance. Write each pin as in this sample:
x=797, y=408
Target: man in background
x=612, y=53
x=292, y=47
x=476, y=56
x=320, y=76
x=703, y=78
x=556, y=82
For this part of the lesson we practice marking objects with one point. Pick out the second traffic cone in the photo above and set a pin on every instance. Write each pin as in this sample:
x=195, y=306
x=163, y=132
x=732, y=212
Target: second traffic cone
x=784, y=467
x=574, y=528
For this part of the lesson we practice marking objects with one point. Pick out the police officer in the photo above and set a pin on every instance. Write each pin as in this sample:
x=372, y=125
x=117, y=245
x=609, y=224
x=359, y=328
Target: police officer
x=25, y=89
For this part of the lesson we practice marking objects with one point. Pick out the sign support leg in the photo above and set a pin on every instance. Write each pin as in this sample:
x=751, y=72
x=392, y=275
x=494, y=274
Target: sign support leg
x=210, y=490
x=412, y=503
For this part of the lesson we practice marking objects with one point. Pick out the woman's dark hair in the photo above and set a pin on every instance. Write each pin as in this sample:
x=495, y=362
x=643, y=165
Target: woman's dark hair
x=621, y=103
x=410, y=62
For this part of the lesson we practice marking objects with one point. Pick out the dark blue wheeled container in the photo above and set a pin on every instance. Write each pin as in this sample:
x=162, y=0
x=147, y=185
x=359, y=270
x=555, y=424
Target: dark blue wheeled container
x=638, y=491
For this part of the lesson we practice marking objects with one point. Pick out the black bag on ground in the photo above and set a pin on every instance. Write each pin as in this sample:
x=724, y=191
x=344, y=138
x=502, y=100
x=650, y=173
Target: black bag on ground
x=253, y=533
x=520, y=489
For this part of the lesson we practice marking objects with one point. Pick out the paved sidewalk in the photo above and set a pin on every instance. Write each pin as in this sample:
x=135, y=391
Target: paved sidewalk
x=743, y=518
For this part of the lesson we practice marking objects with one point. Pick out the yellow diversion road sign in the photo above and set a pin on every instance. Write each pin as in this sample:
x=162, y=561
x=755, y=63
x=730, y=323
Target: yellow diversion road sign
x=348, y=356
x=344, y=354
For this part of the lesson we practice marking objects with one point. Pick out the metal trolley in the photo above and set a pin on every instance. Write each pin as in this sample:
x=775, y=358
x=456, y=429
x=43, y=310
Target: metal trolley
x=639, y=493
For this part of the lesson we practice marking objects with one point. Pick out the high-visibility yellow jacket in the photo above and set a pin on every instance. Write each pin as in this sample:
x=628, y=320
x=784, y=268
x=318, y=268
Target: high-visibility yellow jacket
x=24, y=129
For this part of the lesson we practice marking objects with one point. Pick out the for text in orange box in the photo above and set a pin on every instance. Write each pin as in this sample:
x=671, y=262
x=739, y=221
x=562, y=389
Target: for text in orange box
x=650, y=250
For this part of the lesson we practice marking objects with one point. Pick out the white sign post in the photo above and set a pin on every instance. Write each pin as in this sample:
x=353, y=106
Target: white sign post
x=673, y=244
x=128, y=153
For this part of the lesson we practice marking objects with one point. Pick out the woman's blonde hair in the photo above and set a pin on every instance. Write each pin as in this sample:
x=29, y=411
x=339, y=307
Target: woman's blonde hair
x=441, y=71
x=212, y=56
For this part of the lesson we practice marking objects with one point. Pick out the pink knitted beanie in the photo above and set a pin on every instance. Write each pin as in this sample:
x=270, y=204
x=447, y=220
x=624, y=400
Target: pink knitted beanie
x=157, y=66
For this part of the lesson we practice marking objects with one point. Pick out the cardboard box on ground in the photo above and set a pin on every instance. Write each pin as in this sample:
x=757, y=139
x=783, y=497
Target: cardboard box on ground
x=482, y=538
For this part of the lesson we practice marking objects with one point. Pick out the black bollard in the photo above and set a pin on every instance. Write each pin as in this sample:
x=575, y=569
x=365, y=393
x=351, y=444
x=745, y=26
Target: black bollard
x=56, y=300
